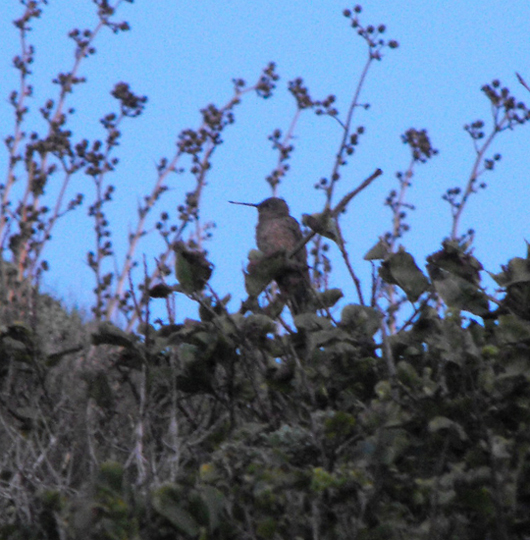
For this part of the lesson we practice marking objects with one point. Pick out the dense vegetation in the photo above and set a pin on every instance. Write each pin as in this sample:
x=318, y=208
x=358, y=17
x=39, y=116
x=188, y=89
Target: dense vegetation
x=407, y=416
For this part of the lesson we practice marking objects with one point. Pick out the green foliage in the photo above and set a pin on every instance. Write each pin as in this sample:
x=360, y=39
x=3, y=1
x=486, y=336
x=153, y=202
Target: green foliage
x=193, y=512
x=192, y=269
x=322, y=224
x=254, y=424
x=261, y=270
x=225, y=427
x=515, y=278
x=105, y=513
x=305, y=433
x=400, y=269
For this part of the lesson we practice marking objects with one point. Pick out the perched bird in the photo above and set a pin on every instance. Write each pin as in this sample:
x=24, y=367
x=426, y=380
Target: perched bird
x=278, y=231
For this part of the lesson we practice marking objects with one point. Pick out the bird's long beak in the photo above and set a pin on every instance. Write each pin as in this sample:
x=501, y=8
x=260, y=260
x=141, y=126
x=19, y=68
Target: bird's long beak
x=243, y=203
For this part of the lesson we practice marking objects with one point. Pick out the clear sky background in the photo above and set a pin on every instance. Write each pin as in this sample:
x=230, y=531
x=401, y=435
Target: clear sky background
x=183, y=55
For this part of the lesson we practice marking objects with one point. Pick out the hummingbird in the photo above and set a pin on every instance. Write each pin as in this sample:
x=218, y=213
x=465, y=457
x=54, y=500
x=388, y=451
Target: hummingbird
x=278, y=231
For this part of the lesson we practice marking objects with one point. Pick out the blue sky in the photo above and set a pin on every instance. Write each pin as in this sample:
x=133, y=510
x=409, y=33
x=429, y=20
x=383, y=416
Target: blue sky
x=183, y=55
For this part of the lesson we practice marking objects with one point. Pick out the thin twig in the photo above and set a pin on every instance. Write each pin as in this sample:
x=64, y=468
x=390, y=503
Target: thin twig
x=337, y=210
x=522, y=81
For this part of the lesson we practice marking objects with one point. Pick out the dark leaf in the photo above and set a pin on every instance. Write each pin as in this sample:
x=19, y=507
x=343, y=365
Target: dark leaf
x=109, y=334
x=378, y=252
x=169, y=502
x=329, y=297
x=401, y=269
x=261, y=270
x=161, y=291
x=459, y=293
x=192, y=268
x=361, y=318
x=322, y=224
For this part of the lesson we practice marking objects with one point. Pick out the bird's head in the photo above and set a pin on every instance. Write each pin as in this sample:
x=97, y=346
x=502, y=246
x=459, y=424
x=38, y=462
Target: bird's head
x=269, y=208
x=274, y=207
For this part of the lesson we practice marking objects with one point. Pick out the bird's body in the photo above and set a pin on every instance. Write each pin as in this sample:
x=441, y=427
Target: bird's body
x=278, y=231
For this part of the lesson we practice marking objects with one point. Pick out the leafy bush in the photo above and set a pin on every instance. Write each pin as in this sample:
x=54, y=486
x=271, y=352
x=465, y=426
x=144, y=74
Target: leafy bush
x=407, y=416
